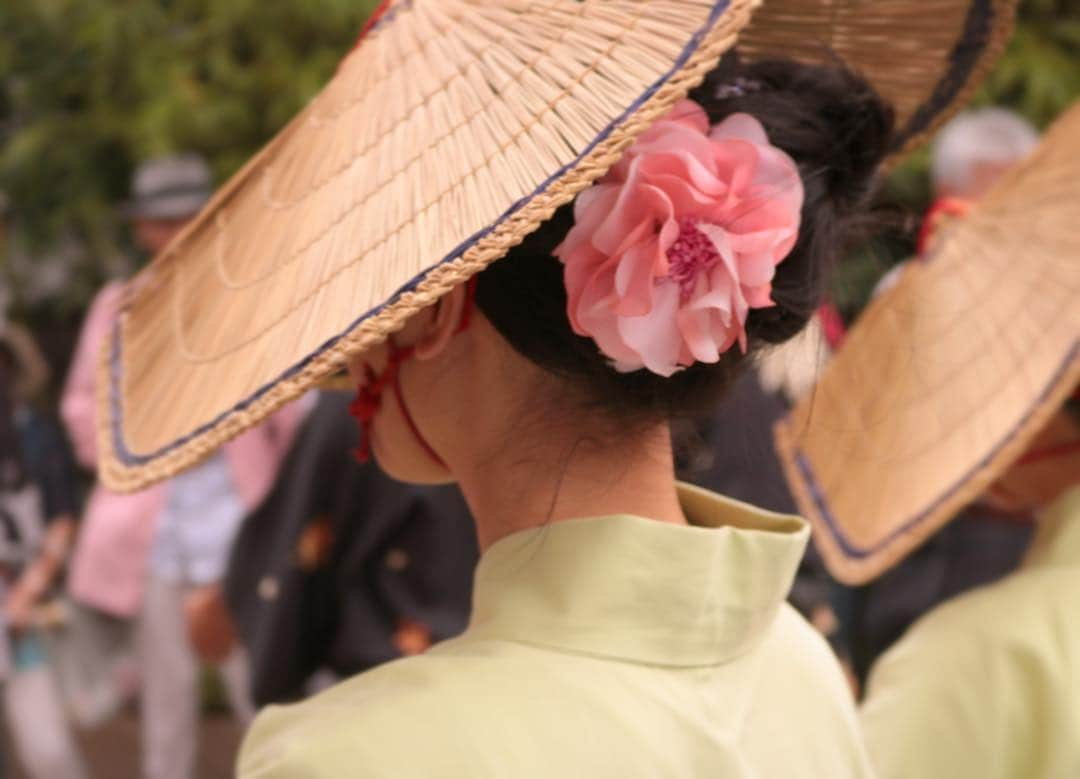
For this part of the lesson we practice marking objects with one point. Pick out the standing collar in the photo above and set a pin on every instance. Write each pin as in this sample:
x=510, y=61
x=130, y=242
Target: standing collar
x=638, y=590
x=1057, y=539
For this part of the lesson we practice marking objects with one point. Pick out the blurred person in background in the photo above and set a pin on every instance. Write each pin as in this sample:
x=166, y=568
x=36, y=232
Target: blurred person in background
x=987, y=539
x=987, y=685
x=37, y=526
x=341, y=568
x=973, y=150
x=969, y=154
x=962, y=383
x=152, y=555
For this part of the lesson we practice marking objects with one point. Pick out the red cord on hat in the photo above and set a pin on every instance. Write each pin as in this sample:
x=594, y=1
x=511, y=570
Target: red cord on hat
x=940, y=211
x=368, y=398
x=368, y=401
x=832, y=324
x=377, y=14
x=372, y=20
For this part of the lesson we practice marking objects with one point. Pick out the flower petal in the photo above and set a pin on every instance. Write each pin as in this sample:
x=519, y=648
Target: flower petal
x=679, y=179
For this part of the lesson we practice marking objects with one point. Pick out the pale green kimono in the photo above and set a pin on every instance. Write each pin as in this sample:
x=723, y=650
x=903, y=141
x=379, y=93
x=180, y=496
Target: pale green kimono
x=609, y=648
x=987, y=686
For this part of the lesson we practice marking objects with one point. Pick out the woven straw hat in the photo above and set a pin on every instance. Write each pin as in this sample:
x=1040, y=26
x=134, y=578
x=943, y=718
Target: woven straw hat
x=948, y=377
x=452, y=130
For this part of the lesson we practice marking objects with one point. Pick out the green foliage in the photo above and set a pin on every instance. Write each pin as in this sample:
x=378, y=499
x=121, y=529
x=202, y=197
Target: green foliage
x=90, y=87
x=1039, y=74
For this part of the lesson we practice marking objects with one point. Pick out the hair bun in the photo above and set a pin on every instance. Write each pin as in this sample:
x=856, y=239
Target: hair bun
x=831, y=121
x=838, y=130
x=834, y=127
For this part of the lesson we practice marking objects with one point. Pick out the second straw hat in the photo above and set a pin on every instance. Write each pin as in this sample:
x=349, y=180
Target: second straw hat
x=946, y=378
x=452, y=130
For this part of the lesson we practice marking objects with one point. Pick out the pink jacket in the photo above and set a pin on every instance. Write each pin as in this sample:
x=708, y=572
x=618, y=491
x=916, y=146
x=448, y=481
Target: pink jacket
x=109, y=564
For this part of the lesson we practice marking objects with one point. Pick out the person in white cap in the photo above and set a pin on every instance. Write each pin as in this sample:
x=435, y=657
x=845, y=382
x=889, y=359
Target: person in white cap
x=968, y=156
x=149, y=555
x=974, y=149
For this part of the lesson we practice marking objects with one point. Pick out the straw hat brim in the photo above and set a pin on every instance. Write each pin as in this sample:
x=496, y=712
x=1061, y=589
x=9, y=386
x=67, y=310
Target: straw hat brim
x=926, y=59
x=946, y=378
x=452, y=131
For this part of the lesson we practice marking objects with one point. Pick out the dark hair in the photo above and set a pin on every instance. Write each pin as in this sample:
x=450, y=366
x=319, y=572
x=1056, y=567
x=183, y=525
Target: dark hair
x=836, y=129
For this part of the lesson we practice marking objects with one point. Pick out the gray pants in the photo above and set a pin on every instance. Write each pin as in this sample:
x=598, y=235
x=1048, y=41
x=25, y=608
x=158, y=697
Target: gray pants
x=170, y=689
x=39, y=728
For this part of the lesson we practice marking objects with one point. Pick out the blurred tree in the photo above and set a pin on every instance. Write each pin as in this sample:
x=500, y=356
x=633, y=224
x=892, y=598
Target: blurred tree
x=1039, y=75
x=90, y=87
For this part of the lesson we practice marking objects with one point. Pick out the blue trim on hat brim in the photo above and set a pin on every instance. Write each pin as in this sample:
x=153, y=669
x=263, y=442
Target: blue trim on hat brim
x=131, y=459
x=856, y=552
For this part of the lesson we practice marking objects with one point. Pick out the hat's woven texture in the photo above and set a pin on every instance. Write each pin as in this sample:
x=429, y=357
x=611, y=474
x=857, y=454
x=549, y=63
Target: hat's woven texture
x=947, y=377
x=925, y=57
x=449, y=133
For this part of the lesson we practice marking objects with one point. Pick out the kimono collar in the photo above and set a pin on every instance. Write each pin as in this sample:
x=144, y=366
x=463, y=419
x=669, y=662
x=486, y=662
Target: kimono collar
x=634, y=589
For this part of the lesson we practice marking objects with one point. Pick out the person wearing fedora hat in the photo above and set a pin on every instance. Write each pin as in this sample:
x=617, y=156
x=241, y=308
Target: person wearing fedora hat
x=154, y=556
x=534, y=233
x=166, y=193
x=978, y=351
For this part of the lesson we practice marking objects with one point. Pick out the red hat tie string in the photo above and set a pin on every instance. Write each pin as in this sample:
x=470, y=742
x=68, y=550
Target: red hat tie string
x=365, y=406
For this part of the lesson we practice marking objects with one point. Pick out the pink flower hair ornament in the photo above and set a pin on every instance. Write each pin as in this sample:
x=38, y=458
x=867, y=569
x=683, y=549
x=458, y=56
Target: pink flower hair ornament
x=674, y=245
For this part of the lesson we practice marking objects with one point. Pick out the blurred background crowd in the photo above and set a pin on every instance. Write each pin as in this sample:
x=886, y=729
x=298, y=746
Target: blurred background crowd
x=142, y=632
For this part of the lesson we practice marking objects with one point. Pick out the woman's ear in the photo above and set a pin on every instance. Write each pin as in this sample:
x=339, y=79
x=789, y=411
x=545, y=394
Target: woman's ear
x=449, y=312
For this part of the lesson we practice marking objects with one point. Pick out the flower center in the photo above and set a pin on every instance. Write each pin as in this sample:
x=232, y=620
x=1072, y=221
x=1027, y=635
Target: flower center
x=692, y=253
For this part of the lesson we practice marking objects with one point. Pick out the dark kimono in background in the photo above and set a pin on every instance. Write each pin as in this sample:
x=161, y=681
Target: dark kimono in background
x=338, y=557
